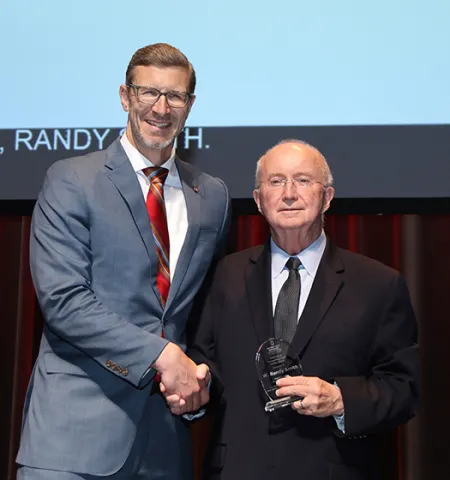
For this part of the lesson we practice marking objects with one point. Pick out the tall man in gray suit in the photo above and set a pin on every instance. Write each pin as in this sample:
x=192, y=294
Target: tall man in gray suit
x=119, y=249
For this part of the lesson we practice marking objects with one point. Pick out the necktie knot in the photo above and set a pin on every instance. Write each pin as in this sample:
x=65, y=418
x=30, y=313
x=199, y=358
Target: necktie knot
x=293, y=263
x=156, y=174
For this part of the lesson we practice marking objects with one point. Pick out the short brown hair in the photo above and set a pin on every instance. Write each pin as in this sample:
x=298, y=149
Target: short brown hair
x=160, y=55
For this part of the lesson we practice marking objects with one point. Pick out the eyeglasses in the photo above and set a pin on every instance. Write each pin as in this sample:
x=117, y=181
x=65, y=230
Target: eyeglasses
x=150, y=96
x=276, y=182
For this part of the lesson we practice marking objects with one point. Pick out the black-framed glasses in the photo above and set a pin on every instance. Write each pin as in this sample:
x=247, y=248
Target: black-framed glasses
x=151, y=95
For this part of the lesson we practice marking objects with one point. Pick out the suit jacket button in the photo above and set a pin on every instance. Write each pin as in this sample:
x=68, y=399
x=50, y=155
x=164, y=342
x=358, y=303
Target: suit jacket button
x=109, y=363
x=125, y=372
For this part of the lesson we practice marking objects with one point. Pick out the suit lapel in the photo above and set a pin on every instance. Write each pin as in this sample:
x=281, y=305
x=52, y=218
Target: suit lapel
x=259, y=290
x=327, y=283
x=193, y=193
x=121, y=173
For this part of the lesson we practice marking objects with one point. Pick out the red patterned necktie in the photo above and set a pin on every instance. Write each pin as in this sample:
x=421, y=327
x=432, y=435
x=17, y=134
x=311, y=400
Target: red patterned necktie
x=157, y=212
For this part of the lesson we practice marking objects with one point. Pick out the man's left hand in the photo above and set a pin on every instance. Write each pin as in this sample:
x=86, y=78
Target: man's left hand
x=320, y=398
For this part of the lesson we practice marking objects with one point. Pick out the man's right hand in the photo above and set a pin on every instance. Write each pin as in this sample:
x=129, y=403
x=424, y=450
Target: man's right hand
x=179, y=376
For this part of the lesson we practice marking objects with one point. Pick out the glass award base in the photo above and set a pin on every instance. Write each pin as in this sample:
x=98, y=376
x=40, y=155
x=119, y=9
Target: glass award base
x=280, y=403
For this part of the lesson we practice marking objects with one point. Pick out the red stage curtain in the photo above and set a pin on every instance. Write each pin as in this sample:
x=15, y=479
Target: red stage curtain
x=416, y=245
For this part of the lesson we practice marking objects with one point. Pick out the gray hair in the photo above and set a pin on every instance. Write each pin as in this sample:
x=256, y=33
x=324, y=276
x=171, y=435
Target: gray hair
x=326, y=172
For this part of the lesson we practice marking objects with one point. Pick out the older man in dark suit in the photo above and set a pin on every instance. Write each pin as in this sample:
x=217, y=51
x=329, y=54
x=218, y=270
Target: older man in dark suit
x=347, y=317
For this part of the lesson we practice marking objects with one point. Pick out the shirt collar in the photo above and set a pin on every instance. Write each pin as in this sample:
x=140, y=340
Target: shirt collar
x=139, y=162
x=310, y=257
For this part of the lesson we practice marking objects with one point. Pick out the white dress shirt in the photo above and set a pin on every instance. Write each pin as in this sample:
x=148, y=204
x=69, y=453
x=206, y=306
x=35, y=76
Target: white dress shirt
x=177, y=218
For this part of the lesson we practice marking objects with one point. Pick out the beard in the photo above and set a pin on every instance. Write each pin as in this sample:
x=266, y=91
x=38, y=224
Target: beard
x=151, y=143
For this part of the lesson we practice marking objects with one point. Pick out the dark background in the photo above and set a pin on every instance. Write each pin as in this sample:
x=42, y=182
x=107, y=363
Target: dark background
x=402, y=161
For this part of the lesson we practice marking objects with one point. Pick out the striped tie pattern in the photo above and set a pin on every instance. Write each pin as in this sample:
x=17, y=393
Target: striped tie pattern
x=157, y=212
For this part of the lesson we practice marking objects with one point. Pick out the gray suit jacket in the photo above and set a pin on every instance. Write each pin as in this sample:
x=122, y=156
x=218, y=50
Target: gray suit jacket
x=93, y=262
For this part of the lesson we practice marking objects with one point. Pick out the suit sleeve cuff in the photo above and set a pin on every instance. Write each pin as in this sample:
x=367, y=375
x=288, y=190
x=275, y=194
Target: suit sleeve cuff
x=340, y=419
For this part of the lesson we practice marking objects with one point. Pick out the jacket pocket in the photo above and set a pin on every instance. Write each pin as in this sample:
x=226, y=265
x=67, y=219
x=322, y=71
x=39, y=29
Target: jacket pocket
x=55, y=364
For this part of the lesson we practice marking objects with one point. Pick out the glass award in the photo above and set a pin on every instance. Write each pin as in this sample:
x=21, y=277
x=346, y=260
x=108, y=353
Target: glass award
x=273, y=362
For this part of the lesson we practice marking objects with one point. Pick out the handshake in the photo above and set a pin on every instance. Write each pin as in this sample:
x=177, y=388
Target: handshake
x=184, y=384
